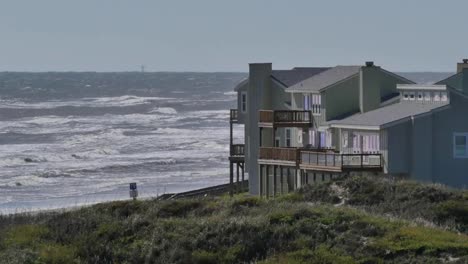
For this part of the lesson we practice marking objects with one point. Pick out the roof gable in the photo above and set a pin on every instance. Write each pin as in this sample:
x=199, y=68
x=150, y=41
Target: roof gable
x=291, y=77
x=326, y=78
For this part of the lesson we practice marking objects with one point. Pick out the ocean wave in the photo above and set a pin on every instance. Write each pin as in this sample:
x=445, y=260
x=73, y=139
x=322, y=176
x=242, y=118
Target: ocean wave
x=231, y=93
x=53, y=174
x=163, y=110
x=21, y=161
x=118, y=101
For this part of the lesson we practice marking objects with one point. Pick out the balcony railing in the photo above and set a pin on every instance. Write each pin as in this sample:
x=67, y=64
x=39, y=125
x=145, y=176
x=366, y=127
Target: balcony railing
x=341, y=161
x=233, y=115
x=279, y=154
x=285, y=117
x=237, y=150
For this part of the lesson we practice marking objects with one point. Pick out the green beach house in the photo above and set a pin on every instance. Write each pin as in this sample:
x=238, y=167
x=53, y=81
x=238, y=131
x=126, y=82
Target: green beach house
x=308, y=125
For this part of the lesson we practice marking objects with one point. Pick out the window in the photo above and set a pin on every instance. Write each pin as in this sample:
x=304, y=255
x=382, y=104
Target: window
x=371, y=143
x=316, y=104
x=427, y=96
x=443, y=96
x=244, y=102
x=460, y=146
x=345, y=138
x=405, y=96
x=288, y=137
x=306, y=102
x=411, y=96
x=277, y=141
x=313, y=138
x=420, y=96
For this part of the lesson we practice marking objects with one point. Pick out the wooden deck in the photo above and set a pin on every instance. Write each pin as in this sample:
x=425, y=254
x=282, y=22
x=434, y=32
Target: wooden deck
x=278, y=156
x=284, y=118
x=320, y=160
x=336, y=162
x=237, y=153
x=234, y=116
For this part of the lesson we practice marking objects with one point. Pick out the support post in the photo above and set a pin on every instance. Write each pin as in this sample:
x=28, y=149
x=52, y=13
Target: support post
x=274, y=136
x=243, y=178
x=267, y=181
x=231, y=178
x=237, y=179
x=281, y=179
x=261, y=180
x=274, y=180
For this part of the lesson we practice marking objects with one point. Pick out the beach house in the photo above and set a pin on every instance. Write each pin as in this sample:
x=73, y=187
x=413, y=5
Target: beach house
x=307, y=125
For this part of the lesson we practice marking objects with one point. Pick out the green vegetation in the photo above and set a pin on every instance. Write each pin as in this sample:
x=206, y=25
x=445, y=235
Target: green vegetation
x=377, y=221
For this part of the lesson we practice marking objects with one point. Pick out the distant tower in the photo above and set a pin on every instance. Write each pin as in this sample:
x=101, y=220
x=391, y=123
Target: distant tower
x=142, y=68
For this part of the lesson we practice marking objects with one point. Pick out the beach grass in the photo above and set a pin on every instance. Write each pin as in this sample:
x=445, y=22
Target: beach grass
x=348, y=220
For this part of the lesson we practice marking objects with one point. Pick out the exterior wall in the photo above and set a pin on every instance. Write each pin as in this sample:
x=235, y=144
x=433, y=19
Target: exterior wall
x=399, y=148
x=279, y=97
x=465, y=80
x=388, y=83
x=422, y=149
x=447, y=169
x=369, y=92
x=375, y=84
x=297, y=101
x=341, y=99
x=259, y=96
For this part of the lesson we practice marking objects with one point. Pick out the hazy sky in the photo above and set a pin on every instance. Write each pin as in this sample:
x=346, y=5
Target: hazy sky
x=217, y=35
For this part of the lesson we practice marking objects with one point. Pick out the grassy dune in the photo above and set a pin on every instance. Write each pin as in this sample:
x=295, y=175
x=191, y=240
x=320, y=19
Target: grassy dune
x=353, y=220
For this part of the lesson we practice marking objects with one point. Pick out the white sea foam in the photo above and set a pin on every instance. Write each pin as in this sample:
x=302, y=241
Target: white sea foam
x=163, y=110
x=125, y=100
x=95, y=157
x=231, y=93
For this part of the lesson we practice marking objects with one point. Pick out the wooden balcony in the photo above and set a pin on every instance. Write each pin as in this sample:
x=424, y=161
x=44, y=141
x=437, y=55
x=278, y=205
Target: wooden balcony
x=336, y=162
x=279, y=156
x=233, y=116
x=285, y=118
x=237, y=152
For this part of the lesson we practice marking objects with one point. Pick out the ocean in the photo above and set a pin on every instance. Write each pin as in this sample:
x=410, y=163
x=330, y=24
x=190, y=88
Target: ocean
x=74, y=139
x=71, y=139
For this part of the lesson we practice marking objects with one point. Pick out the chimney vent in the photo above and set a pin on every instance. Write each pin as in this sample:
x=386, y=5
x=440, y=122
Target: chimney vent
x=369, y=63
x=465, y=61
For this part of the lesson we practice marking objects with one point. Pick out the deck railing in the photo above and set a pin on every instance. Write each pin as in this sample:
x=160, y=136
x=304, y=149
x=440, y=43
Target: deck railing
x=281, y=154
x=237, y=150
x=234, y=115
x=343, y=161
x=285, y=116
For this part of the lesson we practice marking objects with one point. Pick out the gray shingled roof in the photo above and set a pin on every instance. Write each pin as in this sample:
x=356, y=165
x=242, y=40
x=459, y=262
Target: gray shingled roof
x=295, y=75
x=325, y=78
x=387, y=114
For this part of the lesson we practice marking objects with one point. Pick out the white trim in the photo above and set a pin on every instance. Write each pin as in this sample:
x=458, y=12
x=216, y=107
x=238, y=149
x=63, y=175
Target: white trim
x=421, y=87
x=355, y=127
x=455, y=135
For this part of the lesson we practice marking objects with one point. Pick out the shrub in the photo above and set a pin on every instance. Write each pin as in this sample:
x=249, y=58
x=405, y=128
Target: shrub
x=178, y=208
x=56, y=254
x=249, y=201
x=204, y=257
x=423, y=239
x=25, y=235
x=454, y=210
